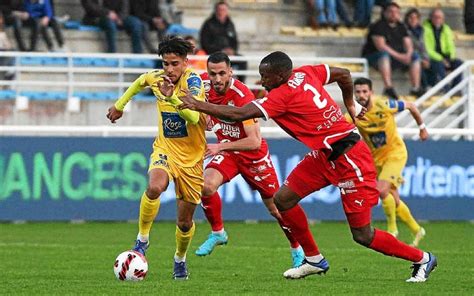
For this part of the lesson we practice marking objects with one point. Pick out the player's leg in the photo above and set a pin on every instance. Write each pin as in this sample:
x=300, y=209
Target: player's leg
x=403, y=212
x=158, y=180
x=307, y=177
x=221, y=169
x=388, y=205
x=261, y=176
x=189, y=183
x=359, y=198
x=185, y=228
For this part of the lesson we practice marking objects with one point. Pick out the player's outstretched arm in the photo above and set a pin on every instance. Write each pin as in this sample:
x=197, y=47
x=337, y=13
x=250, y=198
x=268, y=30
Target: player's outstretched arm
x=344, y=80
x=231, y=113
x=417, y=116
x=116, y=111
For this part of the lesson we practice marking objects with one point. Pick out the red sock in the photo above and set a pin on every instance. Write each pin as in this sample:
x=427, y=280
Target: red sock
x=212, y=206
x=296, y=220
x=387, y=244
x=293, y=242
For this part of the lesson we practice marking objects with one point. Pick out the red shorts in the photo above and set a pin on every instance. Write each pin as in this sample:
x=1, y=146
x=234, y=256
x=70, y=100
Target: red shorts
x=259, y=174
x=353, y=172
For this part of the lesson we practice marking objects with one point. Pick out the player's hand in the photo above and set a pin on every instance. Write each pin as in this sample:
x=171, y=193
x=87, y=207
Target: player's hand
x=424, y=134
x=212, y=150
x=165, y=85
x=114, y=114
x=189, y=102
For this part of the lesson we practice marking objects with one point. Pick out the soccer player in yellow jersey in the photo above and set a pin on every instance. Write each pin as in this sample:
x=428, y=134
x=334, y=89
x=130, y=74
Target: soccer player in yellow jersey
x=379, y=130
x=178, y=149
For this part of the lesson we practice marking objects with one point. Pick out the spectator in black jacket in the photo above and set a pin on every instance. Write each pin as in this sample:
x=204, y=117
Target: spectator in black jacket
x=15, y=14
x=148, y=12
x=469, y=16
x=218, y=34
x=110, y=17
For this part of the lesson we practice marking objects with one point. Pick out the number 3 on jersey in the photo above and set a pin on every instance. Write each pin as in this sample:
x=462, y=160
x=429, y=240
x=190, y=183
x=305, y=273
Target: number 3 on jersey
x=317, y=96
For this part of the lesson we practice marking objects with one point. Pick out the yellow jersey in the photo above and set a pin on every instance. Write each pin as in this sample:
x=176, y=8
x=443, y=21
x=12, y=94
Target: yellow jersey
x=380, y=129
x=185, y=142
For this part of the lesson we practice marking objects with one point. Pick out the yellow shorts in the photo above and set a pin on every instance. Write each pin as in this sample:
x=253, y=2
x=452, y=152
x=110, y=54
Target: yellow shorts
x=391, y=169
x=188, y=182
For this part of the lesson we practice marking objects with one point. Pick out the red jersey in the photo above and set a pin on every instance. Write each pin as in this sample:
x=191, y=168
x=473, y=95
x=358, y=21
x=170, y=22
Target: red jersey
x=238, y=95
x=304, y=109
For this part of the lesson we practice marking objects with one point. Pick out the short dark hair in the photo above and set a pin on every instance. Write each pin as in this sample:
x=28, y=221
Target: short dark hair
x=410, y=12
x=394, y=4
x=220, y=3
x=218, y=57
x=176, y=45
x=363, y=81
x=278, y=61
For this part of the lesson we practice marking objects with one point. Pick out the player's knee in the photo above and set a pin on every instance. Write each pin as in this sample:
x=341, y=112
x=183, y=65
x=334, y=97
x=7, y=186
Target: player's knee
x=184, y=226
x=154, y=191
x=209, y=189
x=363, y=237
x=384, y=191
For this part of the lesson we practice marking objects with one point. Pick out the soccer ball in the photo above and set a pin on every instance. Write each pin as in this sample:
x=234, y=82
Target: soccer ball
x=130, y=266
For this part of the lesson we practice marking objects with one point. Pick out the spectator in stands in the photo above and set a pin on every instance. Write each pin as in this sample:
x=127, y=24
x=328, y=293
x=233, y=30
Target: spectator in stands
x=327, y=13
x=200, y=65
x=363, y=11
x=14, y=14
x=415, y=30
x=439, y=43
x=110, y=17
x=342, y=13
x=40, y=17
x=311, y=14
x=5, y=45
x=218, y=34
x=469, y=16
x=148, y=12
x=388, y=47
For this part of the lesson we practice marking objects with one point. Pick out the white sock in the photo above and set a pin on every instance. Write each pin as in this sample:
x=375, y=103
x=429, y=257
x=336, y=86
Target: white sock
x=425, y=259
x=219, y=232
x=178, y=259
x=315, y=259
x=142, y=238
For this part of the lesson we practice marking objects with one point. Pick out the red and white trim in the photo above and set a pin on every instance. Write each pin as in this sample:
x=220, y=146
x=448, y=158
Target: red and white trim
x=355, y=167
x=262, y=109
x=328, y=73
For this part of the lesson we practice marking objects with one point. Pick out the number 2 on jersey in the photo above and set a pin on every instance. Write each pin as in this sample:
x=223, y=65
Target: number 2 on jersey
x=317, y=96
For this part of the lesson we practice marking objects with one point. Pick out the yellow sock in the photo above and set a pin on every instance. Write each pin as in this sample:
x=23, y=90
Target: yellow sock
x=405, y=215
x=148, y=211
x=183, y=239
x=388, y=205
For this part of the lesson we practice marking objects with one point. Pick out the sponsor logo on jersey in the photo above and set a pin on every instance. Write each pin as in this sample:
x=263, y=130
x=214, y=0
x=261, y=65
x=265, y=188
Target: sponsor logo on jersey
x=194, y=84
x=173, y=125
x=297, y=80
x=230, y=130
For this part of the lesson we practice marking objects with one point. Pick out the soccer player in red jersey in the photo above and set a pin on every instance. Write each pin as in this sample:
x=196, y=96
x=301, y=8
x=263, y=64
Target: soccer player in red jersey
x=240, y=150
x=300, y=105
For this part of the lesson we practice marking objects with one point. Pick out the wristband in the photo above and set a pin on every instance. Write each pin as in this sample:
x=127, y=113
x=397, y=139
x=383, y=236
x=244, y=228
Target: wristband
x=422, y=126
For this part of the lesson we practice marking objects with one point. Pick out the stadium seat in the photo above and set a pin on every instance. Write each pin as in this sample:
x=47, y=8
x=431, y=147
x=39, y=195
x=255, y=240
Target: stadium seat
x=97, y=95
x=77, y=25
x=45, y=95
x=7, y=94
x=43, y=61
x=139, y=63
x=95, y=62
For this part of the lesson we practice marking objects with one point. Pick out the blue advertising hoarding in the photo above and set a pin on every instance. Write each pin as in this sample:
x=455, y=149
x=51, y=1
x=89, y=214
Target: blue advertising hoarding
x=95, y=178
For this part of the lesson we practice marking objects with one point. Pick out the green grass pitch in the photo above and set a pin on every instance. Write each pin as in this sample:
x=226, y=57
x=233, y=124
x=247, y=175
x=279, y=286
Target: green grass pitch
x=63, y=258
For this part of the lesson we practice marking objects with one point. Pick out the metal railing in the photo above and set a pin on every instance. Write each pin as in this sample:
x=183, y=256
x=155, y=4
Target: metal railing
x=459, y=114
x=116, y=76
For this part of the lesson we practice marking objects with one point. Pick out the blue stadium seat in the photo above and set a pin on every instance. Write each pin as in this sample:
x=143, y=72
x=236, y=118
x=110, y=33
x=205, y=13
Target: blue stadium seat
x=45, y=95
x=7, y=94
x=146, y=97
x=95, y=62
x=139, y=63
x=77, y=25
x=43, y=61
x=97, y=95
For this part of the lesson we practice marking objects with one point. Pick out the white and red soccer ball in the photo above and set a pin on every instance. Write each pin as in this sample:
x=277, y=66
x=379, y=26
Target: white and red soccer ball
x=130, y=266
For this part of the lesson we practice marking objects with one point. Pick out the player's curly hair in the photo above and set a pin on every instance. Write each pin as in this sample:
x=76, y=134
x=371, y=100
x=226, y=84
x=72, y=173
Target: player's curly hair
x=176, y=45
x=278, y=61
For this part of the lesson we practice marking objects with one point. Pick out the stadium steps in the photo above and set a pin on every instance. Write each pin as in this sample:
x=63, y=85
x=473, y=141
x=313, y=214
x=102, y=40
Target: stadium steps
x=33, y=95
